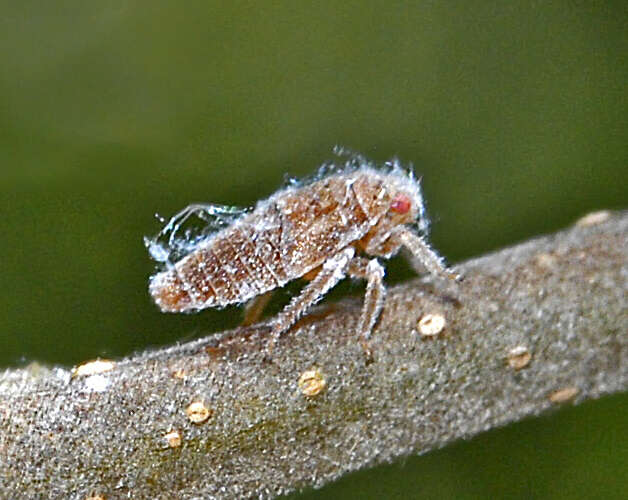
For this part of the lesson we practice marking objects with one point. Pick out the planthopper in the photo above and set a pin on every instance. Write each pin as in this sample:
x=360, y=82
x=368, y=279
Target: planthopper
x=339, y=223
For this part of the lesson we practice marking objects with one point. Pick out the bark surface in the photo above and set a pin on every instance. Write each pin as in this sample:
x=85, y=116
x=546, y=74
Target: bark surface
x=534, y=326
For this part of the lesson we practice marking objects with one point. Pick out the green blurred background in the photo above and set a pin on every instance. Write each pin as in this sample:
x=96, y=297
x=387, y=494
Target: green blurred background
x=515, y=113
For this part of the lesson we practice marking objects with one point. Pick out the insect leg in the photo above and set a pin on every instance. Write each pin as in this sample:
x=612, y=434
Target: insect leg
x=422, y=251
x=373, y=272
x=333, y=270
x=255, y=307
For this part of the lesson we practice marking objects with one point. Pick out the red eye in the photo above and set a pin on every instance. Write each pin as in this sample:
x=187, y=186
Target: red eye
x=401, y=204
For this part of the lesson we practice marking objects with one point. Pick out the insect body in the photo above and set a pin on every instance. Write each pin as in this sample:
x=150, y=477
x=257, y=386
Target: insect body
x=321, y=231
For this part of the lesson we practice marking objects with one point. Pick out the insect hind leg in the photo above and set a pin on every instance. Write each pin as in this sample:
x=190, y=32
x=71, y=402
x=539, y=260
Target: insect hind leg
x=373, y=272
x=254, y=308
x=334, y=269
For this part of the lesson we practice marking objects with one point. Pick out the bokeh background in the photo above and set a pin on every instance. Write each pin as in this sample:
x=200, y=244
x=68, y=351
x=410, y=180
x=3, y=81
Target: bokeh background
x=515, y=114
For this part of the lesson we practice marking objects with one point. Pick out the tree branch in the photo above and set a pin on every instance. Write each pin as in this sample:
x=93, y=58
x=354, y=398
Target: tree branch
x=533, y=326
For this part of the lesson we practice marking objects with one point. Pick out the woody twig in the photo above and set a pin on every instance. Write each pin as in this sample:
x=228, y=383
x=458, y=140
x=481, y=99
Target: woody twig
x=535, y=326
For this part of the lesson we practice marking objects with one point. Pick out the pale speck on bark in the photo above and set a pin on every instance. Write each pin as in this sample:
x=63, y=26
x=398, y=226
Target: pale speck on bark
x=563, y=296
x=431, y=325
x=519, y=357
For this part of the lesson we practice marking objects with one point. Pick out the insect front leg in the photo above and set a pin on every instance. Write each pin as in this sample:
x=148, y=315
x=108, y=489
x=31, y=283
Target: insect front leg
x=373, y=272
x=333, y=270
x=422, y=251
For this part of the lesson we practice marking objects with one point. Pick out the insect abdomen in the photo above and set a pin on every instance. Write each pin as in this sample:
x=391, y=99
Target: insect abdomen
x=234, y=266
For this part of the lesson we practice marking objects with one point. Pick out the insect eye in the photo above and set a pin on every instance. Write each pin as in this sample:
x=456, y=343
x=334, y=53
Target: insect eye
x=401, y=204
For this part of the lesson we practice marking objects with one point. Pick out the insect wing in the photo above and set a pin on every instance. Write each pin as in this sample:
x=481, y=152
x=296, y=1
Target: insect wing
x=183, y=233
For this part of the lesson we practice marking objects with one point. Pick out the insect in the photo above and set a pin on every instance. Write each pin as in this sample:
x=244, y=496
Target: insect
x=333, y=226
